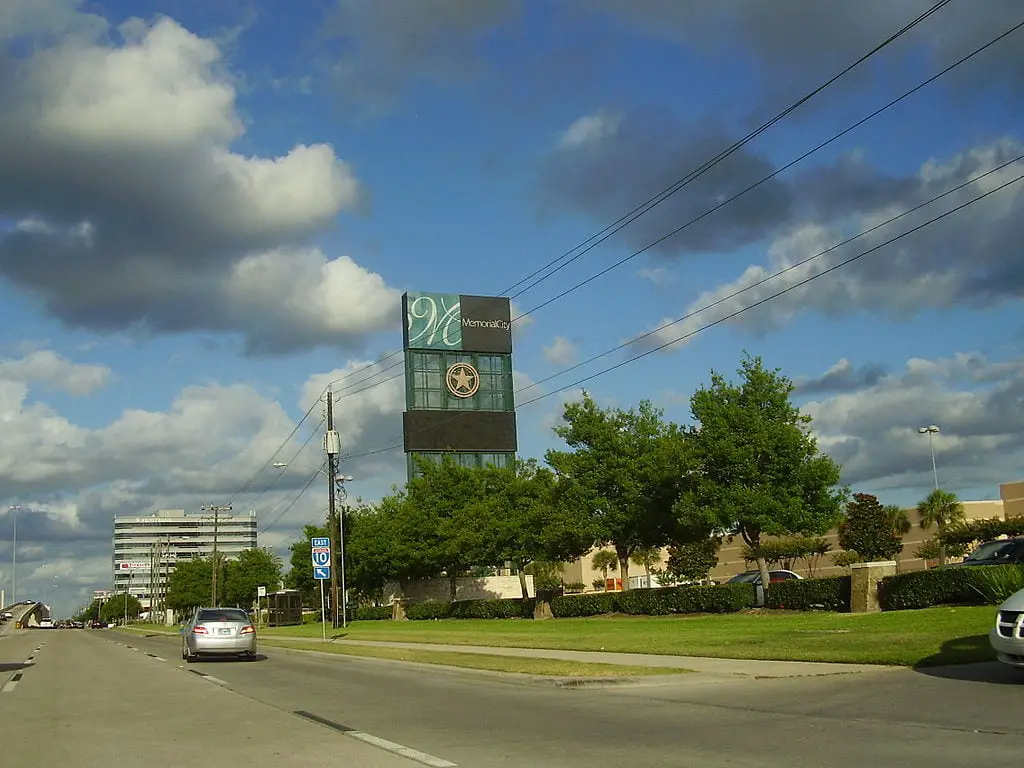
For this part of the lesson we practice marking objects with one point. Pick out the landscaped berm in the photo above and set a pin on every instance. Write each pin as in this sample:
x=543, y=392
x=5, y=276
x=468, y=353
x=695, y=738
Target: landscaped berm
x=929, y=637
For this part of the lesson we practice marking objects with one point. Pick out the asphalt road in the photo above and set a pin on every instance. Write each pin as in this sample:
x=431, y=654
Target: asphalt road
x=889, y=718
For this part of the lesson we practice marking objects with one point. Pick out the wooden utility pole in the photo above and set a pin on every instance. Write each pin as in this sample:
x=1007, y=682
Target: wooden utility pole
x=332, y=514
x=216, y=555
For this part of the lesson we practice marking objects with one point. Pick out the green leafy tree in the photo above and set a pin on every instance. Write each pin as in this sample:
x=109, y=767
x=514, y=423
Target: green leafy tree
x=647, y=558
x=300, y=575
x=446, y=525
x=898, y=519
x=624, y=471
x=91, y=612
x=869, y=529
x=253, y=568
x=760, y=469
x=605, y=561
x=693, y=560
x=114, y=609
x=188, y=586
x=528, y=527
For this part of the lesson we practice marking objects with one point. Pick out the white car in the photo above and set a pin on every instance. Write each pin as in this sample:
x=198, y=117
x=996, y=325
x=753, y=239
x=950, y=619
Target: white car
x=46, y=623
x=1007, y=636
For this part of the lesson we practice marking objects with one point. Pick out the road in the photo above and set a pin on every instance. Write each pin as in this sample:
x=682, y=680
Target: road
x=96, y=691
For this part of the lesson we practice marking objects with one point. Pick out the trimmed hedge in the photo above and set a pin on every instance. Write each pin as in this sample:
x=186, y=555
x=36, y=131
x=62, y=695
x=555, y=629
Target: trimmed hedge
x=372, y=613
x=967, y=585
x=830, y=594
x=725, y=598
x=470, y=609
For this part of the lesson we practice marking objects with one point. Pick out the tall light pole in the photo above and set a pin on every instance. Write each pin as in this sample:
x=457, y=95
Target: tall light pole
x=13, y=509
x=931, y=431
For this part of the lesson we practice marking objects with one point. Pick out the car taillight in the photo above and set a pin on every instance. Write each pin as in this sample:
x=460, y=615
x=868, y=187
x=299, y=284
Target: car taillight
x=247, y=630
x=199, y=631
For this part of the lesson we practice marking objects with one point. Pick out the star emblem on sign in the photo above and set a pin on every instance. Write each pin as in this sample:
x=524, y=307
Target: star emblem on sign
x=462, y=380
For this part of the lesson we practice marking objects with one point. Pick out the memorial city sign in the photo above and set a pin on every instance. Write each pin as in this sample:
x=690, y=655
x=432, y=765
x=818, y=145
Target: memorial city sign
x=448, y=321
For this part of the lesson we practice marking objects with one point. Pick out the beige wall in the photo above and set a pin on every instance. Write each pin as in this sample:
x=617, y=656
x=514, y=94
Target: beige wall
x=730, y=558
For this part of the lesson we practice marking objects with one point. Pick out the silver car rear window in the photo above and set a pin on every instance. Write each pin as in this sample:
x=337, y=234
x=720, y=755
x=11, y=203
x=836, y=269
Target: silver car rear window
x=221, y=615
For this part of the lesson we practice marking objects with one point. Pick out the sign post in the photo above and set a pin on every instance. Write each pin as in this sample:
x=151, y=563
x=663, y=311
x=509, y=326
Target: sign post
x=261, y=592
x=320, y=548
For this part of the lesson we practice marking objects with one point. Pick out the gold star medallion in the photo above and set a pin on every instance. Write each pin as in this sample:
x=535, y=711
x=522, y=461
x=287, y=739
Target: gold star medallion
x=462, y=380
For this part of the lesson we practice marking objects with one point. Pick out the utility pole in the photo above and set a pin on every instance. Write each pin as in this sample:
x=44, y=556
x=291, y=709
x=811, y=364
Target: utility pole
x=216, y=555
x=331, y=446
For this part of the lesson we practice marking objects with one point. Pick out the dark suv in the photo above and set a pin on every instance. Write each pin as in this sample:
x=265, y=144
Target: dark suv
x=997, y=552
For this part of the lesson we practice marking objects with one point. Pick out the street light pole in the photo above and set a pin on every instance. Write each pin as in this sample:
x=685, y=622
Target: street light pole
x=14, y=509
x=931, y=431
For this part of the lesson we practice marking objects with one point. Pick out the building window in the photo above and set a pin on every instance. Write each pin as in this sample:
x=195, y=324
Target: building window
x=428, y=390
x=473, y=460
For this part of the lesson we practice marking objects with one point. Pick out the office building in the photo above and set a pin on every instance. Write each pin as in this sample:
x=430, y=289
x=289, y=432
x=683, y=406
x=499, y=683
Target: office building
x=148, y=547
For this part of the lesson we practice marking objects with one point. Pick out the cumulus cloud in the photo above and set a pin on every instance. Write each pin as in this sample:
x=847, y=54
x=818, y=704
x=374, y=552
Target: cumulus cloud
x=561, y=351
x=977, y=403
x=211, y=445
x=46, y=367
x=841, y=377
x=927, y=269
x=133, y=211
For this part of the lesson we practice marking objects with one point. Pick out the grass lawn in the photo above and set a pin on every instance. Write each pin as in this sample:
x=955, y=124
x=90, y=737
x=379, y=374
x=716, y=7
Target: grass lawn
x=545, y=667
x=930, y=637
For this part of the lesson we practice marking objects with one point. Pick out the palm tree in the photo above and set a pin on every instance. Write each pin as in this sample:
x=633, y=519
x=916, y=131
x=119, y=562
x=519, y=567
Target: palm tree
x=605, y=561
x=647, y=558
x=898, y=519
x=941, y=509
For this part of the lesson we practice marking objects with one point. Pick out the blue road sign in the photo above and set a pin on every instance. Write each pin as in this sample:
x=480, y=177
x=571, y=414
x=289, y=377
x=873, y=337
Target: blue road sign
x=321, y=557
x=322, y=572
x=320, y=541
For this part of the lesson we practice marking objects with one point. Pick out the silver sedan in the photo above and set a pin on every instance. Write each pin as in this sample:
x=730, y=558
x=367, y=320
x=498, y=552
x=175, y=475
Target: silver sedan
x=218, y=632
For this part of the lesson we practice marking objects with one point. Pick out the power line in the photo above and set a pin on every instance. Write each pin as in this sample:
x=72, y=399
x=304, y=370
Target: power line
x=277, y=478
x=762, y=301
x=771, y=175
x=893, y=102
x=595, y=240
x=291, y=504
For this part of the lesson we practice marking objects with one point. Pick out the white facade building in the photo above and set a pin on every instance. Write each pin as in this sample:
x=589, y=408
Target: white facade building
x=148, y=547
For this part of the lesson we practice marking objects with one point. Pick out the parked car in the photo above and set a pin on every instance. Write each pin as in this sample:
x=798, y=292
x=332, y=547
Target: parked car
x=218, y=632
x=754, y=577
x=996, y=552
x=1007, y=636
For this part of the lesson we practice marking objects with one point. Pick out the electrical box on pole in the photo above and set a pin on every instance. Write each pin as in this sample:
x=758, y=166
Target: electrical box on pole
x=332, y=443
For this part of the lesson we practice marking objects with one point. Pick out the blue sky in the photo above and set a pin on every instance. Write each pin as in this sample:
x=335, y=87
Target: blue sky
x=209, y=211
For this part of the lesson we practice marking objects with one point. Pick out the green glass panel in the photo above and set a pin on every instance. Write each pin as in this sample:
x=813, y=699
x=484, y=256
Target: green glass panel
x=434, y=321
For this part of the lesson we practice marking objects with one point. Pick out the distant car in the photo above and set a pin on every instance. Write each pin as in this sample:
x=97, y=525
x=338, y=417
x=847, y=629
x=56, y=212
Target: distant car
x=46, y=623
x=754, y=577
x=1007, y=636
x=218, y=632
x=996, y=552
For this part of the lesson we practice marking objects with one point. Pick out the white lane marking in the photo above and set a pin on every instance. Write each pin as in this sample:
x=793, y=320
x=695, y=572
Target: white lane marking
x=398, y=749
x=11, y=684
x=159, y=658
x=216, y=680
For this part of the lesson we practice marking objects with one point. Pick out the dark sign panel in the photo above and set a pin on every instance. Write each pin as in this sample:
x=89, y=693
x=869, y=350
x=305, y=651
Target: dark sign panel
x=476, y=431
x=486, y=325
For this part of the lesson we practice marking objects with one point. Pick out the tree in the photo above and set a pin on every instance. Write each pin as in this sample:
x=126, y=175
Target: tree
x=528, y=526
x=693, y=560
x=189, y=584
x=91, y=612
x=300, y=574
x=254, y=568
x=115, y=609
x=604, y=561
x=447, y=522
x=869, y=529
x=941, y=509
x=624, y=471
x=760, y=469
x=898, y=519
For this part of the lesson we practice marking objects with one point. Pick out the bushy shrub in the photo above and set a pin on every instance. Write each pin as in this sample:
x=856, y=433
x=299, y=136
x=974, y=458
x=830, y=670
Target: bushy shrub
x=966, y=585
x=372, y=613
x=831, y=594
x=470, y=609
x=431, y=609
x=725, y=598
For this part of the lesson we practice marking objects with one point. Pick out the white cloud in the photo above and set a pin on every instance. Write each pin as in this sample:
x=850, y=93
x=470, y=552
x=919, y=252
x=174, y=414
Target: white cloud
x=657, y=275
x=924, y=270
x=589, y=129
x=561, y=351
x=49, y=368
x=978, y=404
x=118, y=157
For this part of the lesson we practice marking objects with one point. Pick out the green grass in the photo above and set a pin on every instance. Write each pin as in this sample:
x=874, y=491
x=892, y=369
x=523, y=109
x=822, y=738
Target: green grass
x=143, y=626
x=930, y=637
x=527, y=666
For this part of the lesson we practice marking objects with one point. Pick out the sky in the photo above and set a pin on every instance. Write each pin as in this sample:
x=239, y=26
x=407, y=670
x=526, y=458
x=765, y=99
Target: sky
x=209, y=211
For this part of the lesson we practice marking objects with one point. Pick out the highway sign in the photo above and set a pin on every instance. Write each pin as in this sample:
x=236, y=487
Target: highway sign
x=320, y=550
x=322, y=572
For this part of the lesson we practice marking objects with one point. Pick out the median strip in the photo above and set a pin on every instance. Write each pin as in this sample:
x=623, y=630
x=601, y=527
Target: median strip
x=489, y=662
